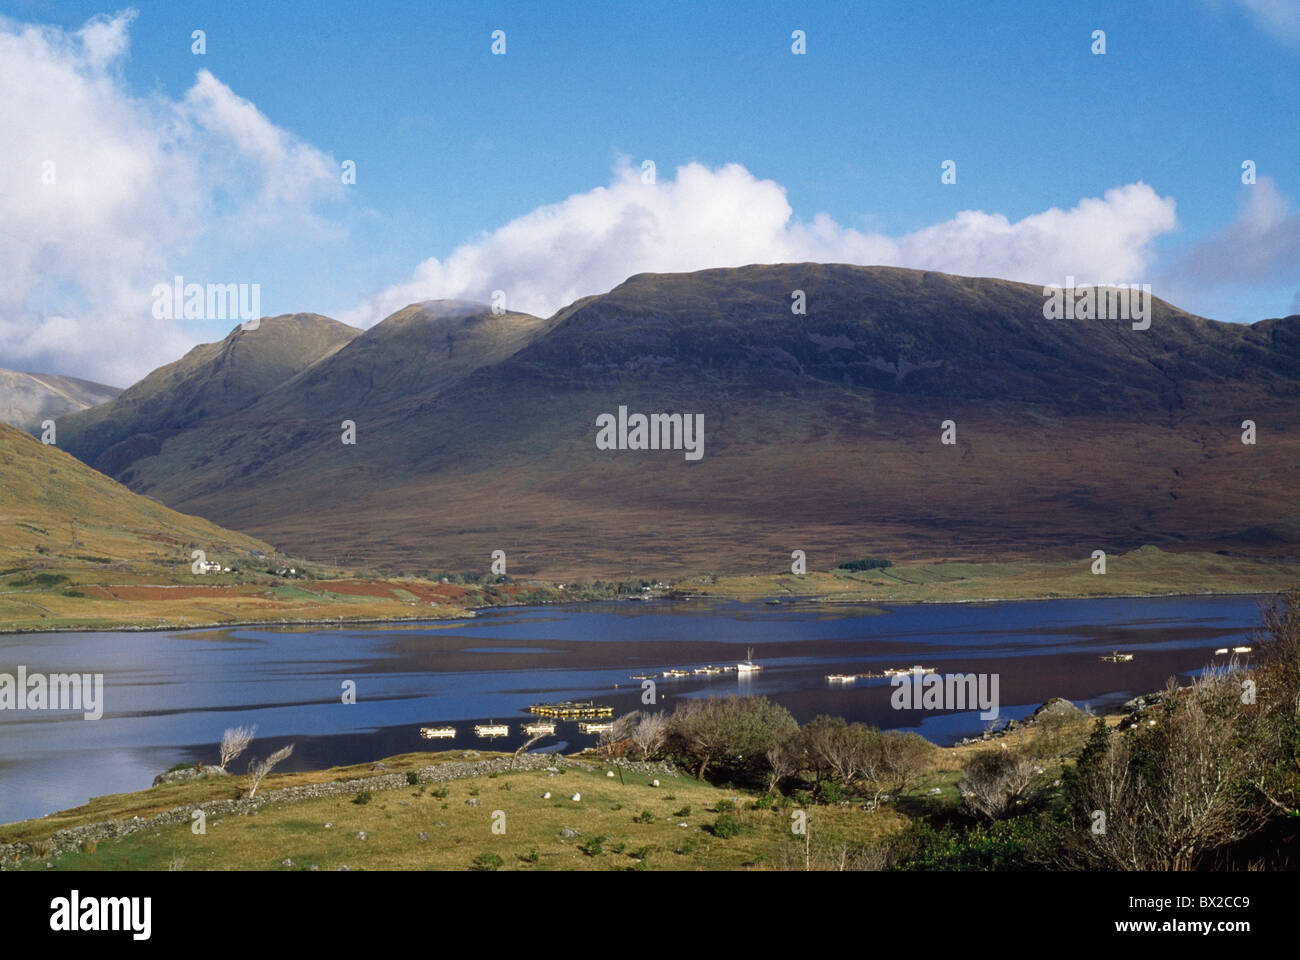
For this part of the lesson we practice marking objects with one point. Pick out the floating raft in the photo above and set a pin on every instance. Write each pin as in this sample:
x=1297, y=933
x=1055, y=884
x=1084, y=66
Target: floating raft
x=492, y=729
x=539, y=728
x=1114, y=657
x=437, y=733
x=585, y=727
x=904, y=671
x=569, y=710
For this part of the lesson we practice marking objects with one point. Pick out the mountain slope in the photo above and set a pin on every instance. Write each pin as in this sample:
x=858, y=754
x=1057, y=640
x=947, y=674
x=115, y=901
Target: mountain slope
x=212, y=380
x=822, y=432
x=56, y=510
x=27, y=399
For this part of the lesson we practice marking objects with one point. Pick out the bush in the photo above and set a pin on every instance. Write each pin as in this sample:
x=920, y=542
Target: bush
x=412, y=778
x=593, y=846
x=645, y=817
x=830, y=792
x=765, y=802
x=723, y=806
x=868, y=563
x=726, y=827
x=488, y=861
x=683, y=812
x=362, y=798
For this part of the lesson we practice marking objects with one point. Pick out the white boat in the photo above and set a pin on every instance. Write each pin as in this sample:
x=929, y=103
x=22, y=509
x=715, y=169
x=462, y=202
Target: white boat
x=1241, y=649
x=748, y=665
x=539, y=729
x=437, y=733
x=841, y=677
x=594, y=727
x=1221, y=651
x=492, y=729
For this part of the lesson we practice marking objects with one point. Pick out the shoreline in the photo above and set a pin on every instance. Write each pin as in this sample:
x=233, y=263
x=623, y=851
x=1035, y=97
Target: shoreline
x=469, y=613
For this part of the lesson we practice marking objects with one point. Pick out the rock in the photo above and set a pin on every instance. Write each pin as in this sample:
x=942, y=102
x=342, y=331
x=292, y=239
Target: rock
x=379, y=765
x=286, y=862
x=609, y=773
x=328, y=826
x=934, y=791
x=576, y=798
x=362, y=835
x=654, y=783
x=1057, y=705
x=402, y=803
x=423, y=836
x=469, y=753
x=566, y=832
x=189, y=773
x=473, y=802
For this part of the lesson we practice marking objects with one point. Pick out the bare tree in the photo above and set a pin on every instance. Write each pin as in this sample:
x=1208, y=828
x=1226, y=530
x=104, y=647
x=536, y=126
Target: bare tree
x=260, y=768
x=994, y=782
x=620, y=730
x=234, y=742
x=784, y=759
x=650, y=733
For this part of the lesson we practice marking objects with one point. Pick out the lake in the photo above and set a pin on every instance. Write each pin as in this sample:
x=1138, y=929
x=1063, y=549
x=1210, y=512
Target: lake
x=169, y=695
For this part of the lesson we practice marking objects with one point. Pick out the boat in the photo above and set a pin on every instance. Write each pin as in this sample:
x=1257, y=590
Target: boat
x=1241, y=649
x=539, y=728
x=1114, y=657
x=675, y=674
x=707, y=671
x=748, y=665
x=491, y=729
x=1221, y=651
x=437, y=733
x=594, y=727
x=841, y=677
x=643, y=676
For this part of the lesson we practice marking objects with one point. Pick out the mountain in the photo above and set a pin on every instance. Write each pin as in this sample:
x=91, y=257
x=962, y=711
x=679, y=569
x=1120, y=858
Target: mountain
x=57, y=511
x=822, y=431
x=211, y=381
x=27, y=399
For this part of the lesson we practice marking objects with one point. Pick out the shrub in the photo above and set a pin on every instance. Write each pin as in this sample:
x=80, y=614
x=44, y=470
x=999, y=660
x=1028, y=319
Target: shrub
x=412, y=778
x=830, y=792
x=645, y=817
x=488, y=861
x=593, y=846
x=362, y=798
x=683, y=812
x=726, y=826
x=867, y=563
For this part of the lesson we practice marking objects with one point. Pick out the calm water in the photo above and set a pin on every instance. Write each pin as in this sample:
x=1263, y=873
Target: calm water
x=169, y=696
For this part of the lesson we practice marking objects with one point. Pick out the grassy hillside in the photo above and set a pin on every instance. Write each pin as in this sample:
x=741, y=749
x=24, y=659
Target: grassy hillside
x=81, y=551
x=212, y=380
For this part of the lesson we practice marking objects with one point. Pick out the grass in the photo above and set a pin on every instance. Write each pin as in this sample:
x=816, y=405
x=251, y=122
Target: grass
x=1147, y=571
x=461, y=837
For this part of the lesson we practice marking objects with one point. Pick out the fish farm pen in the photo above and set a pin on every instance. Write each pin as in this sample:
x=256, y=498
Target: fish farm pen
x=569, y=710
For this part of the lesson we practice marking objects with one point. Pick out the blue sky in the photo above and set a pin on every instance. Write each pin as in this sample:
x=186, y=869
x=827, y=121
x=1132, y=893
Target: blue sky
x=452, y=144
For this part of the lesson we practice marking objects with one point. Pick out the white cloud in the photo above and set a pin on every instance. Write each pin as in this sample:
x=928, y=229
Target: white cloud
x=727, y=217
x=1261, y=245
x=1281, y=18
x=138, y=183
